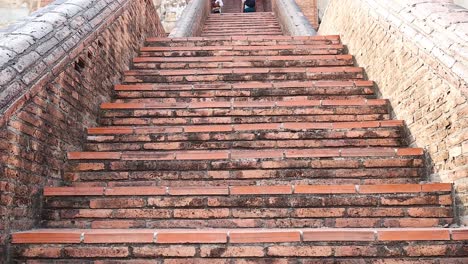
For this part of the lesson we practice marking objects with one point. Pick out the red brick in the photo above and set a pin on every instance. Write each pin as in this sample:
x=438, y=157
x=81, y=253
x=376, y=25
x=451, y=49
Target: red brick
x=96, y=252
x=116, y=203
x=264, y=236
x=126, y=236
x=303, y=153
x=436, y=187
x=94, y=155
x=344, y=235
x=426, y=250
x=410, y=152
x=413, y=235
x=259, y=190
x=41, y=252
x=90, y=166
x=460, y=234
x=47, y=236
x=160, y=251
x=231, y=251
x=73, y=191
x=188, y=236
x=141, y=190
x=256, y=154
x=202, y=155
x=201, y=213
x=390, y=188
x=324, y=189
x=198, y=190
x=110, y=130
x=299, y=251
x=367, y=152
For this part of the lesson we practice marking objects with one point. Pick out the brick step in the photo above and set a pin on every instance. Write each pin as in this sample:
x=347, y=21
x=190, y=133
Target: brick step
x=227, y=246
x=249, y=132
x=227, y=109
x=237, y=17
x=244, y=74
x=239, y=31
x=239, y=26
x=247, y=21
x=243, y=15
x=148, y=118
x=227, y=95
x=252, y=33
x=241, y=62
x=222, y=103
x=227, y=28
x=219, y=144
x=319, y=90
x=243, y=41
x=430, y=204
x=277, y=50
x=236, y=154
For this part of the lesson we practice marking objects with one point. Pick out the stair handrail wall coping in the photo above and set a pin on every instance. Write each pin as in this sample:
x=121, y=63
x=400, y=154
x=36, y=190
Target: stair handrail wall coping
x=56, y=67
x=192, y=19
x=293, y=22
x=417, y=54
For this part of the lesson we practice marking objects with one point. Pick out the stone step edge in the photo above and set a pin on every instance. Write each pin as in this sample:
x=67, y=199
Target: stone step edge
x=234, y=58
x=245, y=70
x=228, y=236
x=244, y=154
x=246, y=85
x=249, y=38
x=248, y=190
x=264, y=127
x=247, y=104
x=241, y=48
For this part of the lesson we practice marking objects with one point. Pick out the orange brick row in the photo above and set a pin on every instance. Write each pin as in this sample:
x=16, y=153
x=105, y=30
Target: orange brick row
x=89, y=236
x=249, y=190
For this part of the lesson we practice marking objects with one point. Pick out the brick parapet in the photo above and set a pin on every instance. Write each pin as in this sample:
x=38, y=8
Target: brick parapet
x=293, y=22
x=56, y=67
x=416, y=51
x=309, y=9
x=192, y=19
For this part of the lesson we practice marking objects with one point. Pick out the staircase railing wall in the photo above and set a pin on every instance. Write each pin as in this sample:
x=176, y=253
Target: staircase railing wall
x=417, y=53
x=56, y=67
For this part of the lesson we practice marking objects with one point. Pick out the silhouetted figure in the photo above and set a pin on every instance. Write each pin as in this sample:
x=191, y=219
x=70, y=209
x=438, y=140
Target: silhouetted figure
x=248, y=6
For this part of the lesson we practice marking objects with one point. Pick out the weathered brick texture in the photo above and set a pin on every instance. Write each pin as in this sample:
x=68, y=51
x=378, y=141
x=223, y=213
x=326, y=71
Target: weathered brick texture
x=56, y=67
x=309, y=9
x=416, y=51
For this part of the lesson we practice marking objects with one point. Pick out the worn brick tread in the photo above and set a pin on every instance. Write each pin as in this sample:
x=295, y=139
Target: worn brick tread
x=302, y=126
x=246, y=154
x=249, y=190
x=246, y=104
x=174, y=236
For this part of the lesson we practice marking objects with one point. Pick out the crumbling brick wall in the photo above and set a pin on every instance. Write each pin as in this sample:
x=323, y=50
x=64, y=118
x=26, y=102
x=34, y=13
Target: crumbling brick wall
x=417, y=53
x=56, y=67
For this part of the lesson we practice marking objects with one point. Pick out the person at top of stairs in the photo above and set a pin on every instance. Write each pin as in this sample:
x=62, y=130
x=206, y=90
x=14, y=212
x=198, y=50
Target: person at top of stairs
x=248, y=6
x=216, y=6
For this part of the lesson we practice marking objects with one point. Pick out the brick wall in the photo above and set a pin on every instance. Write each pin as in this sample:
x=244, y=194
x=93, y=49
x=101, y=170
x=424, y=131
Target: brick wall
x=292, y=21
x=417, y=52
x=56, y=67
x=309, y=9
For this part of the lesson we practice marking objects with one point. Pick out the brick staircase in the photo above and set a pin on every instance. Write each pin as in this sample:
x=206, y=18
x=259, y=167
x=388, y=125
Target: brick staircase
x=245, y=149
x=241, y=24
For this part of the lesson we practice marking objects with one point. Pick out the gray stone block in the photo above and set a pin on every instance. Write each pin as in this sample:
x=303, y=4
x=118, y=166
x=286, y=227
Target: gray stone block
x=17, y=43
x=35, y=29
x=25, y=61
x=5, y=56
x=6, y=75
